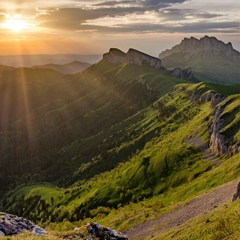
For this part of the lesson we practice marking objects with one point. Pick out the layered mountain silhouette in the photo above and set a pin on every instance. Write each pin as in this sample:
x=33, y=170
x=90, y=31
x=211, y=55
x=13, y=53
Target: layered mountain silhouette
x=6, y=68
x=69, y=68
x=42, y=59
x=210, y=59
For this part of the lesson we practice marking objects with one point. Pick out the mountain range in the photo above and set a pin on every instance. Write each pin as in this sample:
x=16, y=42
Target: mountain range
x=120, y=142
x=210, y=59
x=68, y=68
x=42, y=59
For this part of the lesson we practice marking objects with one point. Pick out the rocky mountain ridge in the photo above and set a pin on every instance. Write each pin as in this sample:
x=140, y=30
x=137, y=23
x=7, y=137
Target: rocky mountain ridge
x=138, y=58
x=132, y=57
x=210, y=59
x=192, y=45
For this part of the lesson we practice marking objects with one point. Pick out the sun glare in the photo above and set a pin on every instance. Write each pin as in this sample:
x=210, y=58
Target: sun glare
x=15, y=23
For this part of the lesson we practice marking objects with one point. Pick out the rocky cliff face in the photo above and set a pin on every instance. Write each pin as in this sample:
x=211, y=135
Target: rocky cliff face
x=193, y=45
x=131, y=57
x=184, y=74
x=138, y=58
x=218, y=143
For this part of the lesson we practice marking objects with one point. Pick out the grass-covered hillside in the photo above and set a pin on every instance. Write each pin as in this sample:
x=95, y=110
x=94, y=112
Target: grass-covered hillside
x=43, y=113
x=119, y=145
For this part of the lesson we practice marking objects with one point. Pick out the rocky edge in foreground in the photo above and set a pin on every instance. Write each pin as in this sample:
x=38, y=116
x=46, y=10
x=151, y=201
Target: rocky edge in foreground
x=11, y=225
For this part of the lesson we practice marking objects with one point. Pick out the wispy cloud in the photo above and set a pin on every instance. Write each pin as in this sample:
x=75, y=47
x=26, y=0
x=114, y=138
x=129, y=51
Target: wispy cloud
x=81, y=18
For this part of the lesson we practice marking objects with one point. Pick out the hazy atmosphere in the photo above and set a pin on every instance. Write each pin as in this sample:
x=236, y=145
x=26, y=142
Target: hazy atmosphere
x=119, y=120
x=92, y=27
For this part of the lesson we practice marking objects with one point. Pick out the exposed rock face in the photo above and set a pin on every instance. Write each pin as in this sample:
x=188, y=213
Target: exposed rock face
x=138, y=58
x=236, y=195
x=131, y=57
x=192, y=45
x=184, y=74
x=218, y=142
x=234, y=149
x=101, y=232
x=11, y=224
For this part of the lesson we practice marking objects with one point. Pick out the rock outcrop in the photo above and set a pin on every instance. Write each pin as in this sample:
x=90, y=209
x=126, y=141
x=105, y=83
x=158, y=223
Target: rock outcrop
x=138, y=58
x=101, y=232
x=236, y=195
x=131, y=57
x=11, y=225
x=218, y=143
x=184, y=74
x=217, y=140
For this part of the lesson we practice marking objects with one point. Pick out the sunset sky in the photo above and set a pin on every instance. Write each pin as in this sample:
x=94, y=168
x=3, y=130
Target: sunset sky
x=92, y=27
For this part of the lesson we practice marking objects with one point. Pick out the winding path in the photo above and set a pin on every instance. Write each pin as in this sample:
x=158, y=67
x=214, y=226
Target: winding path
x=197, y=206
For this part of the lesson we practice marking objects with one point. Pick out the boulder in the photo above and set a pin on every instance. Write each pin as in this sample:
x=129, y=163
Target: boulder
x=12, y=225
x=101, y=232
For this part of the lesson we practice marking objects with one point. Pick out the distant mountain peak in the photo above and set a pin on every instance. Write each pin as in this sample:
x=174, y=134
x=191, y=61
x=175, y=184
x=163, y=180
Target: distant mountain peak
x=206, y=43
x=133, y=56
x=209, y=58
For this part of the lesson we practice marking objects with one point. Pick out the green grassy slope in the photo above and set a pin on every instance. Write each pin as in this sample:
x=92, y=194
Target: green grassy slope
x=157, y=166
x=112, y=142
x=207, y=66
x=57, y=111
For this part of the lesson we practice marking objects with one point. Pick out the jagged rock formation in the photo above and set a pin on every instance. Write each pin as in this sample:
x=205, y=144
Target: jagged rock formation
x=131, y=57
x=218, y=143
x=138, y=58
x=236, y=195
x=210, y=59
x=217, y=140
x=184, y=74
x=11, y=225
x=192, y=45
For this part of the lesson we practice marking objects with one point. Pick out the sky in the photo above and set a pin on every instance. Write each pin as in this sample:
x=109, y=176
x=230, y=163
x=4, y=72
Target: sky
x=93, y=27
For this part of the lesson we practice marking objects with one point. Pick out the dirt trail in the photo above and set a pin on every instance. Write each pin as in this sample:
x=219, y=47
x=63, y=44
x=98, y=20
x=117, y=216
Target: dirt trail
x=197, y=206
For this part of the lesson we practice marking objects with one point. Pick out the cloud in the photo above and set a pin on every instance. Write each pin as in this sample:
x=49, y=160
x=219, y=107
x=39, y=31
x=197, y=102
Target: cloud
x=2, y=17
x=175, y=14
x=130, y=16
x=183, y=20
x=197, y=27
x=71, y=18
x=114, y=3
x=159, y=4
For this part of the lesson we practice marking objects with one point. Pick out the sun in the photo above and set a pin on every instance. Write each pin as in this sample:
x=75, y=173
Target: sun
x=15, y=23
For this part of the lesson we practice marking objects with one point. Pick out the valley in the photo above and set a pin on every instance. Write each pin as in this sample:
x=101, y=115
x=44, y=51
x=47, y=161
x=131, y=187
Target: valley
x=125, y=142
